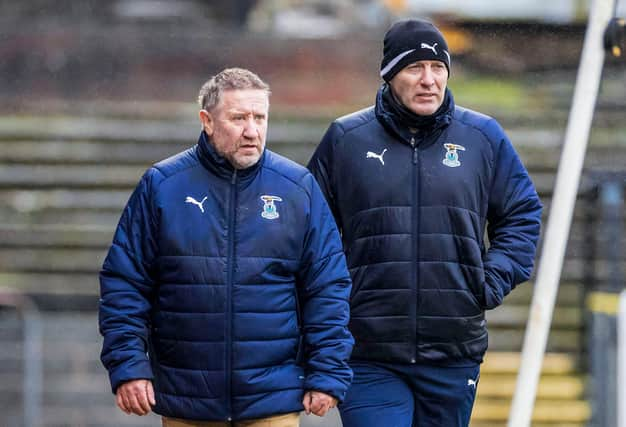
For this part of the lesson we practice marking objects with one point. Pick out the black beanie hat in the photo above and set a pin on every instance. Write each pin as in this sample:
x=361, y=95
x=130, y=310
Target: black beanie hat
x=409, y=41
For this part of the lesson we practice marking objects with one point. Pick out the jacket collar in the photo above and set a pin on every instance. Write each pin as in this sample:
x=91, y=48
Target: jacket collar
x=396, y=125
x=220, y=166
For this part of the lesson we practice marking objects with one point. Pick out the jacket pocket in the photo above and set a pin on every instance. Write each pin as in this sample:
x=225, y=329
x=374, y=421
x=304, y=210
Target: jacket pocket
x=476, y=285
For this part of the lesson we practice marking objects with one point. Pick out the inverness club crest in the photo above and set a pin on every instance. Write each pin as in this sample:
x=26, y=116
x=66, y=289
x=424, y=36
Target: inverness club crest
x=269, y=207
x=451, y=158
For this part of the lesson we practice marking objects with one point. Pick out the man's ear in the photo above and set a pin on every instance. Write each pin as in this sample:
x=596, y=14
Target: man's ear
x=208, y=124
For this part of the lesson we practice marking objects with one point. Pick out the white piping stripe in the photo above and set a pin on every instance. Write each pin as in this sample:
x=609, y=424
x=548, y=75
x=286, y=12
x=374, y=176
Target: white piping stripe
x=394, y=61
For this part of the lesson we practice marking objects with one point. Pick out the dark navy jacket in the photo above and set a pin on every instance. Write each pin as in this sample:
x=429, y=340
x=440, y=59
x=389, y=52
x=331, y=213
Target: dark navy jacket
x=412, y=209
x=232, y=302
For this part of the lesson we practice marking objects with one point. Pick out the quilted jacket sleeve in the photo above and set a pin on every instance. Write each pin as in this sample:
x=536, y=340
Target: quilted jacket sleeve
x=126, y=289
x=324, y=292
x=321, y=167
x=514, y=219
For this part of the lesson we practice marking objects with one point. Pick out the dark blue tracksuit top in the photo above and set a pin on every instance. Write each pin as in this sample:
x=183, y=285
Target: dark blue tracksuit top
x=228, y=289
x=412, y=207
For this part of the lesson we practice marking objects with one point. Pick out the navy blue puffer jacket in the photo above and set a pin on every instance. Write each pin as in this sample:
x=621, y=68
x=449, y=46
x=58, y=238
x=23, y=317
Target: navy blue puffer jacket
x=412, y=207
x=228, y=289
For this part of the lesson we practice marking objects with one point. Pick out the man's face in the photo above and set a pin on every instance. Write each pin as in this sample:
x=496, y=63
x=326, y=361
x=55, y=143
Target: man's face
x=421, y=86
x=237, y=126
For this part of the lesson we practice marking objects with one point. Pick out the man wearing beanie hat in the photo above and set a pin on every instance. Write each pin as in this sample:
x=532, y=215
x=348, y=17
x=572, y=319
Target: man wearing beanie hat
x=413, y=182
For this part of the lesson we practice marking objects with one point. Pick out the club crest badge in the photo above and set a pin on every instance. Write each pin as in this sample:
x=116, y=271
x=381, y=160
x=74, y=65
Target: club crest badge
x=451, y=158
x=269, y=207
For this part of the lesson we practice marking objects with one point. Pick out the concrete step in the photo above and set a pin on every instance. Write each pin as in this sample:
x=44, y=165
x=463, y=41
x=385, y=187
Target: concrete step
x=559, y=339
x=507, y=362
x=54, y=217
x=546, y=411
x=96, y=153
x=569, y=294
x=25, y=201
x=56, y=236
x=68, y=176
x=510, y=315
x=184, y=131
x=65, y=260
x=551, y=387
x=52, y=283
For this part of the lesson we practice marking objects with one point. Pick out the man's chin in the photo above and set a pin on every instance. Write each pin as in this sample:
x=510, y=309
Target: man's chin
x=246, y=162
x=424, y=108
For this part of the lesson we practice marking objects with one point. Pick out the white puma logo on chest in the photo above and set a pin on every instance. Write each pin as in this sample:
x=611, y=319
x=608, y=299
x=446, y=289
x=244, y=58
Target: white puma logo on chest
x=372, y=155
x=190, y=199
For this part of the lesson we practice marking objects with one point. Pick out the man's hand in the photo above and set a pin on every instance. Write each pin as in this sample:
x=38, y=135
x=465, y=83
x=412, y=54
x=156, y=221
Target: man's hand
x=318, y=403
x=135, y=397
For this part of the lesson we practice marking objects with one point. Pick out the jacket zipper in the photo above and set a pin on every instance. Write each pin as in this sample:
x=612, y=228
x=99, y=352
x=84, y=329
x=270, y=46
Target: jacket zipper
x=232, y=212
x=415, y=248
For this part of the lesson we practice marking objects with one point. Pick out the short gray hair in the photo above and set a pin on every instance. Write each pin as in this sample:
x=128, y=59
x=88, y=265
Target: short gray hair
x=228, y=79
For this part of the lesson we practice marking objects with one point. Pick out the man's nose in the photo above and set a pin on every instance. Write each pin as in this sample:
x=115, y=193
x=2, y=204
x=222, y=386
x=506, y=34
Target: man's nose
x=428, y=77
x=251, y=129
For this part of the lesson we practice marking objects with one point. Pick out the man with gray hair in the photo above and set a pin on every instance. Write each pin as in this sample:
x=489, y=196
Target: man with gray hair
x=224, y=295
x=414, y=181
